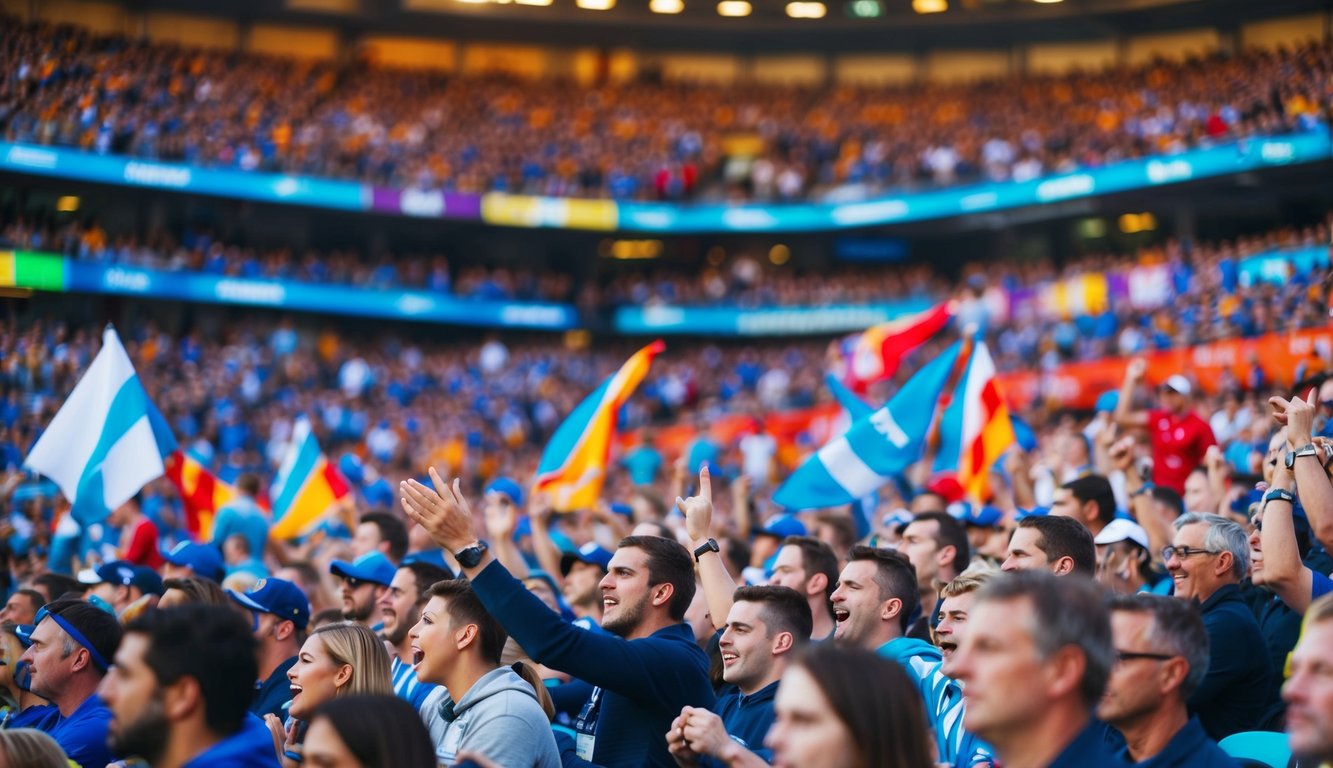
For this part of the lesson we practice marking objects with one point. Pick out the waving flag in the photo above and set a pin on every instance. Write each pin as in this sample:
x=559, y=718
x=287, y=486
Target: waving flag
x=107, y=441
x=876, y=447
x=875, y=354
x=307, y=487
x=202, y=493
x=573, y=466
x=976, y=428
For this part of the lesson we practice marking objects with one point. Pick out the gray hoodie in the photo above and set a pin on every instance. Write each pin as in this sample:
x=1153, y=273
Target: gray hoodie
x=499, y=718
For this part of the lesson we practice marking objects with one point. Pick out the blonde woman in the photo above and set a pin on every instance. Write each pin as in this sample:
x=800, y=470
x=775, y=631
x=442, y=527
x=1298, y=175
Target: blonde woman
x=31, y=748
x=340, y=659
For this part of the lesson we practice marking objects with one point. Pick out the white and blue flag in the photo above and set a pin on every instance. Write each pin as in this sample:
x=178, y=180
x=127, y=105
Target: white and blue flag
x=108, y=439
x=875, y=448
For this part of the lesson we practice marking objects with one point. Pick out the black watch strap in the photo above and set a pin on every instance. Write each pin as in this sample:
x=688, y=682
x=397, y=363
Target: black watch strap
x=468, y=557
x=705, y=548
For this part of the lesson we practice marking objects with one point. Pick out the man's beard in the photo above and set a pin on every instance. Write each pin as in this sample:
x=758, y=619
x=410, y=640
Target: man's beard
x=361, y=613
x=627, y=621
x=404, y=625
x=145, y=737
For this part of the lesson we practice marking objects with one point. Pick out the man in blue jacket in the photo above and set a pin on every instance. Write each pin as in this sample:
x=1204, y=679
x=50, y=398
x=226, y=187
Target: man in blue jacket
x=646, y=667
x=1207, y=558
x=179, y=690
x=877, y=593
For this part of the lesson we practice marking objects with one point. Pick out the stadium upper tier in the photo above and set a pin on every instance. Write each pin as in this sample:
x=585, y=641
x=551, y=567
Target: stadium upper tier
x=644, y=155
x=1170, y=295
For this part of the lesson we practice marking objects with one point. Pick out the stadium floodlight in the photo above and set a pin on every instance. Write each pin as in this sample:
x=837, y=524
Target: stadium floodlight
x=733, y=8
x=865, y=9
x=666, y=6
x=930, y=6
x=1048, y=2
x=596, y=5
x=805, y=9
x=534, y=2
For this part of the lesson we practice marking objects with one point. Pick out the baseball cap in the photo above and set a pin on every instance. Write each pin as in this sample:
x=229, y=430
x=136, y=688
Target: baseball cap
x=783, y=526
x=1178, y=383
x=622, y=509
x=898, y=519
x=507, y=487
x=1121, y=529
x=591, y=553
x=118, y=572
x=147, y=580
x=433, y=557
x=1034, y=512
x=1107, y=401
x=946, y=486
x=979, y=517
x=372, y=566
x=278, y=597
x=203, y=559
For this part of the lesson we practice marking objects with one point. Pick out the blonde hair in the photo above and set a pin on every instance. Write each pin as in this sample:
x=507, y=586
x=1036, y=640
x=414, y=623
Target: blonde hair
x=970, y=580
x=31, y=748
x=351, y=643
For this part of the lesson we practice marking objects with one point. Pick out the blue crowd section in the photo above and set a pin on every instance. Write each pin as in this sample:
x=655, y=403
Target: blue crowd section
x=671, y=218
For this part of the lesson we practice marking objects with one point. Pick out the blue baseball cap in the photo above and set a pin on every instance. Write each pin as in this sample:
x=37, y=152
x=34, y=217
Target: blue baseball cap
x=591, y=553
x=148, y=580
x=278, y=597
x=622, y=509
x=1107, y=401
x=783, y=526
x=979, y=517
x=123, y=574
x=372, y=566
x=433, y=557
x=1034, y=512
x=203, y=559
x=507, y=487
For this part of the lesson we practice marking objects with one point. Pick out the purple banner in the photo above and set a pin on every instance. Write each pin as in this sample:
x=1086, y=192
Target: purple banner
x=431, y=204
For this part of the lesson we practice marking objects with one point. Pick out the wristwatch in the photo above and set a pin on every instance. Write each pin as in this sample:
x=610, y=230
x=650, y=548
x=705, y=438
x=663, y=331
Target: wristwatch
x=1308, y=449
x=1279, y=494
x=705, y=548
x=468, y=557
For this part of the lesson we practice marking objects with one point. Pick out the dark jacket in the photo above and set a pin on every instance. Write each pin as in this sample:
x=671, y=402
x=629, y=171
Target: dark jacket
x=1234, y=694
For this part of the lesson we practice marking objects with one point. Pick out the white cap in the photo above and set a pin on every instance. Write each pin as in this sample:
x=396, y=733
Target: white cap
x=1121, y=529
x=1178, y=383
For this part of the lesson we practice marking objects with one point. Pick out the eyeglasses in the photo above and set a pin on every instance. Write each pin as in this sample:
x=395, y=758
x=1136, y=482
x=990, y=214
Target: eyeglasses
x=1123, y=656
x=1170, y=551
x=353, y=583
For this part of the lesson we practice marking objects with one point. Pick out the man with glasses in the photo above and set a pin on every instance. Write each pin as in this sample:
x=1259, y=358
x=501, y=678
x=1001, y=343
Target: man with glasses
x=279, y=613
x=1161, y=656
x=1207, y=559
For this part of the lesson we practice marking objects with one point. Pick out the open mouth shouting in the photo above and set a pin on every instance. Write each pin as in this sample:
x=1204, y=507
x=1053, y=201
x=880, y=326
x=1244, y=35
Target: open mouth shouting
x=417, y=656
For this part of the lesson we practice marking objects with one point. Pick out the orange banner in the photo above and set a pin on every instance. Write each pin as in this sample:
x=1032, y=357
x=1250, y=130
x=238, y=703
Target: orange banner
x=1283, y=357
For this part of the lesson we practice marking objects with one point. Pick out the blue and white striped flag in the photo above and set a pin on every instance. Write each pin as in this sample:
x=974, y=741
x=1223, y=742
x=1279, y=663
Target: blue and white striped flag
x=876, y=447
x=108, y=439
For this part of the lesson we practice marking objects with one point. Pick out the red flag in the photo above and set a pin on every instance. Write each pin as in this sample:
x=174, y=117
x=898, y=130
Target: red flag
x=202, y=493
x=875, y=354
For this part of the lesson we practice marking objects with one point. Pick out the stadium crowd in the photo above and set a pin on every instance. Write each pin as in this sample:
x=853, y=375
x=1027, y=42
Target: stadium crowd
x=1145, y=582
x=1189, y=293
x=636, y=140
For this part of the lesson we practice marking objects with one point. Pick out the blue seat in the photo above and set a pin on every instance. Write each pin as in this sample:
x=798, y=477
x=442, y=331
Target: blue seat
x=1258, y=749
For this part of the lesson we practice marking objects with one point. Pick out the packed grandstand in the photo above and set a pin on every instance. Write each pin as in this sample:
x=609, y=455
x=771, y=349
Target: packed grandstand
x=972, y=303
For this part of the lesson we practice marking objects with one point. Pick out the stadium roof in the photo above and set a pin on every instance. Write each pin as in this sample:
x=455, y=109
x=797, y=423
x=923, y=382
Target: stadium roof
x=850, y=25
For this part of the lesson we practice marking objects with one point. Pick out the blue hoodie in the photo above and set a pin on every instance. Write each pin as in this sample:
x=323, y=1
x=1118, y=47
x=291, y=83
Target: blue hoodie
x=943, y=698
x=250, y=747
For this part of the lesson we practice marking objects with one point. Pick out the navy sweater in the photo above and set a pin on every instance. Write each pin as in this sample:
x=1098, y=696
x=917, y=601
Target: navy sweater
x=1234, y=694
x=645, y=682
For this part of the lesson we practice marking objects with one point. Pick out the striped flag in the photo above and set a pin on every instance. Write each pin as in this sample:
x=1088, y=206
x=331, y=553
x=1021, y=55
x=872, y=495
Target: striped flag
x=976, y=428
x=202, y=493
x=874, y=355
x=573, y=466
x=107, y=441
x=307, y=487
x=878, y=446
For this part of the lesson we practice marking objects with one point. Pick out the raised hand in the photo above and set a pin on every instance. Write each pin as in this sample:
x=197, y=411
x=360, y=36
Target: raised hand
x=443, y=511
x=1297, y=415
x=1138, y=368
x=698, y=510
x=501, y=521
